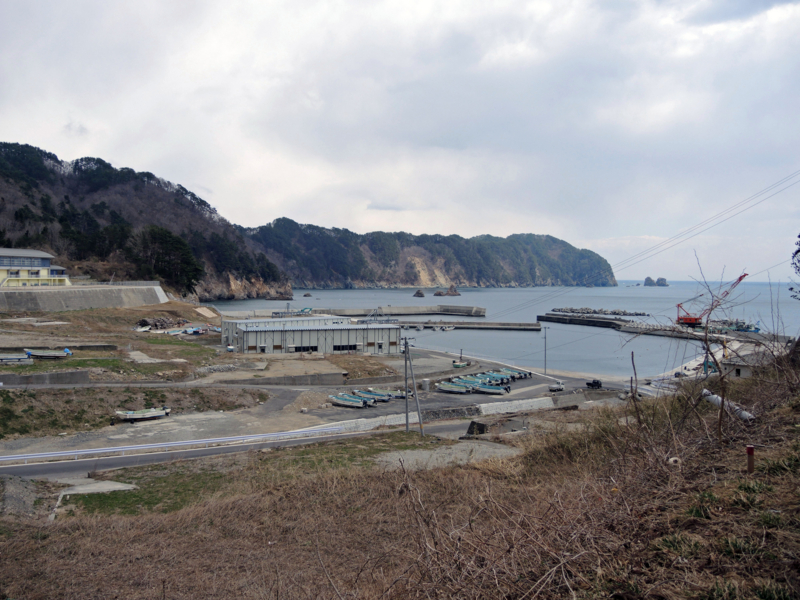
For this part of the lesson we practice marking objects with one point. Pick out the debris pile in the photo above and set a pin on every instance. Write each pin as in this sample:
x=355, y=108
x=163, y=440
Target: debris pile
x=161, y=323
x=217, y=369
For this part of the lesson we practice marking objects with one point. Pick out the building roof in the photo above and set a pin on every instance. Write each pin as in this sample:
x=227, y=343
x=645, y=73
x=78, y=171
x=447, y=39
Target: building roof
x=24, y=253
x=310, y=319
x=318, y=328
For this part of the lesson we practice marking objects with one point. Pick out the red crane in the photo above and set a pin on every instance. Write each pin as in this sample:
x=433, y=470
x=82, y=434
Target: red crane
x=690, y=320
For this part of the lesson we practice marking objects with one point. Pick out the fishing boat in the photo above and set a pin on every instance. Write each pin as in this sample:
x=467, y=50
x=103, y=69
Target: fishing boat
x=420, y=328
x=490, y=389
x=143, y=329
x=452, y=389
x=143, y=415
x=373, y=395
x=448, y=328
x=460, y=365
x=48, y=354
x=348, y=401
x=390, y=393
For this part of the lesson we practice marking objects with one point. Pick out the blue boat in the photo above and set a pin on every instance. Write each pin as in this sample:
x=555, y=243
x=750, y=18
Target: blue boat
x=373, y=395
x=348, y=401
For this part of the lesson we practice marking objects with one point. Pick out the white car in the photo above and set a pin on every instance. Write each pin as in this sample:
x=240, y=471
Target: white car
x=557, y=386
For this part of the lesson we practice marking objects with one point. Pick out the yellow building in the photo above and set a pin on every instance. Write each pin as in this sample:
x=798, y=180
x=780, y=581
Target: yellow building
x=29, y=268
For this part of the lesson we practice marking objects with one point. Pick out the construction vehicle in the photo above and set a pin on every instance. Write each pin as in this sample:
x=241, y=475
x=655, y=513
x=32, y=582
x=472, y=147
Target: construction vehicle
x=689, y=320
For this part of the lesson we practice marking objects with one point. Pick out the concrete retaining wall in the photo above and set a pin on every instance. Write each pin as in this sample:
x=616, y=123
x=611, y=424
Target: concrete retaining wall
x=439, y=309
x=475, y=410
x=67, y=377
x=93, y=347
x=313, y=379
x=79, y=298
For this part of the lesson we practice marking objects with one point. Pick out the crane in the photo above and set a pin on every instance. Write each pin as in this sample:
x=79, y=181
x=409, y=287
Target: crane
x=690, y=320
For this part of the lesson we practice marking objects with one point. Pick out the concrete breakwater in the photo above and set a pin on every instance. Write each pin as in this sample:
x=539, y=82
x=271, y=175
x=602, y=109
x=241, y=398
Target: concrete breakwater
x=475, y=325
x=441, y=309
x=79, y=298
x=400, y=311
x=638, y=328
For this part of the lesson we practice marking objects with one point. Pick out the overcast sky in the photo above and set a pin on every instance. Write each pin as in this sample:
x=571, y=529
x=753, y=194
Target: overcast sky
x=612, y=125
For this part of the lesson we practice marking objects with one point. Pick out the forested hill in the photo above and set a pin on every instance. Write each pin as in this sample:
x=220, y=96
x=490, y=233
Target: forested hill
x=319, y=257
x=104, y=222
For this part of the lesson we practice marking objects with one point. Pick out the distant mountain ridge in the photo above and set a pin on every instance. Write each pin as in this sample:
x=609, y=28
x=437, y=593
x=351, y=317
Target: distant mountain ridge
x=318, y=257
x=101, y=220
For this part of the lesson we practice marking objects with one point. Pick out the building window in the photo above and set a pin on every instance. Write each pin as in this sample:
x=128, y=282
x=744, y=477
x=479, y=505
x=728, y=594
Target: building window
x=738, y=372
x=305, y=348
x=345, y=348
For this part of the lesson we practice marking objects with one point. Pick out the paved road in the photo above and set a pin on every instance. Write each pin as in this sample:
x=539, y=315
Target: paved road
x=81, y=467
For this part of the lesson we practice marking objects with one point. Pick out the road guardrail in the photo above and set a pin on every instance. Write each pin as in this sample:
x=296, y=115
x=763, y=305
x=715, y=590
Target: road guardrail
x=74, y=454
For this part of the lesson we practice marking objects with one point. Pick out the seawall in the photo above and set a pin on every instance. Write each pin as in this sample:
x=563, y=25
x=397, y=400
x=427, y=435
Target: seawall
x=80, y=297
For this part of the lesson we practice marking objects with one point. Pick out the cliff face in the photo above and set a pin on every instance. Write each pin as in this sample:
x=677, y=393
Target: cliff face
x=316, y=257
x=230, y=287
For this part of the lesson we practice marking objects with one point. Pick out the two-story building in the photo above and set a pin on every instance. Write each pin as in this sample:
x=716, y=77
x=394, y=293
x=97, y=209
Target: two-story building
x=29, y=268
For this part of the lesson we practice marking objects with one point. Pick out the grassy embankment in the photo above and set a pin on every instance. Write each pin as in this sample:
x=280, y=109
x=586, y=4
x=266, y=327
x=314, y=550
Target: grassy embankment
x=596, y=513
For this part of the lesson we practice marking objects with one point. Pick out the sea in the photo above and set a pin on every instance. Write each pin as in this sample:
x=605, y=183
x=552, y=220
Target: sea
x=572, y=348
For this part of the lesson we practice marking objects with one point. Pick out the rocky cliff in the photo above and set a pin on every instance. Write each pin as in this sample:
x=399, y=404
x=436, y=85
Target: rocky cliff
x=229, y=287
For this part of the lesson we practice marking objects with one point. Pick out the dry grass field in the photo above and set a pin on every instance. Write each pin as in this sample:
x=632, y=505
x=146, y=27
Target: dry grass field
x=597, y=513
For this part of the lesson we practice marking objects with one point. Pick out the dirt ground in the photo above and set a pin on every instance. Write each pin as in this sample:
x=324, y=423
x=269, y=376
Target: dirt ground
x=358, y=366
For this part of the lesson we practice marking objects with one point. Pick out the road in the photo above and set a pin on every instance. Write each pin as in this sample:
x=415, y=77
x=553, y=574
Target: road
x=82, y=467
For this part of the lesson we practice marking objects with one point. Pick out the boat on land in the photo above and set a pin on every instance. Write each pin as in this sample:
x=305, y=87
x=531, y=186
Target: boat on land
x=460, y=365
x=490, y=389
x=348, y=401
x=143, y=415
x=517, y=373
x=48, y=354
x=390, y=393
x=451, y=388
x=372, y=395
x=143, y=329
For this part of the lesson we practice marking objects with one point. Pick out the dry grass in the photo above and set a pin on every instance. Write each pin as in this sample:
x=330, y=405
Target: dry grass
x=51, y=411
x=596, y=514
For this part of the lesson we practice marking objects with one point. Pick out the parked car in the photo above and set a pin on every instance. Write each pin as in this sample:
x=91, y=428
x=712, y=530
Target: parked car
x=557, y=386
x=594, y=384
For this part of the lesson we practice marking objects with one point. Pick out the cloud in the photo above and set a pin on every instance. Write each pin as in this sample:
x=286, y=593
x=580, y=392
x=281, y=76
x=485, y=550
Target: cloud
x=600, y=123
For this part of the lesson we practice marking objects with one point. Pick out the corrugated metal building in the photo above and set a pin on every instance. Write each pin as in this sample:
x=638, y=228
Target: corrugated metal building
x=328, y=339
x=231, y=326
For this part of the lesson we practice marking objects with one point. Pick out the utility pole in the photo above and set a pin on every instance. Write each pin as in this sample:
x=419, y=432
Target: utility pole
x=409, y=364
x=405, y=365
x=545, y=349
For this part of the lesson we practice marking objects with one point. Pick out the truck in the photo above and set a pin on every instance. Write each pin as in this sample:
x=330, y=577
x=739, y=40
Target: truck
x=594, y=384
x=557, y=386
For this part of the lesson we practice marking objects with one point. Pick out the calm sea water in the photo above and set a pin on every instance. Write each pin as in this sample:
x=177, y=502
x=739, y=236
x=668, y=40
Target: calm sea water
x=569, y=347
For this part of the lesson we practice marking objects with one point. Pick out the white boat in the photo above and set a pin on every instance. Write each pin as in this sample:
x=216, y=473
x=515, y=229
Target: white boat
x=448, y=328
x=143, y=415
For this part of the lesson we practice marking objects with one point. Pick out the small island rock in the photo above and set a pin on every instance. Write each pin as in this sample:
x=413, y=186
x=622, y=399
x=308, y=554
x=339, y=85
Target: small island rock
x=662, y=282
x=307, y=295
x=419, y=294
x=649, y=282
x=452, y=291
x=439, y=293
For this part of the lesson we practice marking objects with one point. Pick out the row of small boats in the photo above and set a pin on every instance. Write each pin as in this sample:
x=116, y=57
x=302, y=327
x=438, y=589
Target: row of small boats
x=489, y=382
x=364, y=398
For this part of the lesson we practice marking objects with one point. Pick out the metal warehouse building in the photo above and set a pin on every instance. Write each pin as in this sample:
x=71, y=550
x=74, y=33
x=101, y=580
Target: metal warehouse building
x=330, y=339
x=230, y=327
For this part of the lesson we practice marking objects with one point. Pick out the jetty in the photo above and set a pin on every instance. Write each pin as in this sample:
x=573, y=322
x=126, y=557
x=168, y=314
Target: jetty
x=400, y=311
x=473, y=325
x=639, y=328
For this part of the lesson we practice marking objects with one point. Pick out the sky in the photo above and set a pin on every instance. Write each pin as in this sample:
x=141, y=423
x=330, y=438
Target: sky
x=613, y=125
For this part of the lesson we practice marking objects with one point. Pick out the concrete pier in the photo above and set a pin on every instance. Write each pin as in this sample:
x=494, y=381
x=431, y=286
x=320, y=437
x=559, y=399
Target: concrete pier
x=475, y=325
x=398, y=311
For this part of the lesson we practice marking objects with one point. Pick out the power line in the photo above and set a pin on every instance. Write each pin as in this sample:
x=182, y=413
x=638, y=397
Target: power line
x=675, y=240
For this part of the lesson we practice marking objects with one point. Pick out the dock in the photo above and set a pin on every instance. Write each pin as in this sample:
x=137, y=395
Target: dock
x=639, y=328
x=473, y=325
x=398, y=311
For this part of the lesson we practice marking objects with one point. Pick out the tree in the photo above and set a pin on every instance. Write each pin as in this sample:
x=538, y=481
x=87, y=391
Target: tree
x=158, y=252
x=796, y=265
